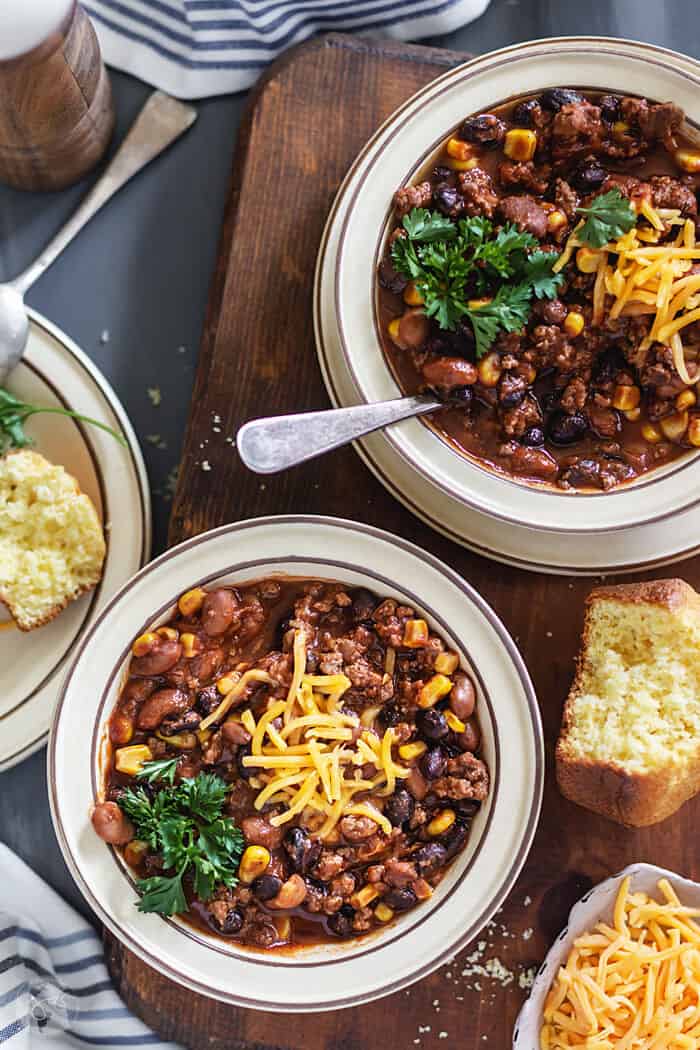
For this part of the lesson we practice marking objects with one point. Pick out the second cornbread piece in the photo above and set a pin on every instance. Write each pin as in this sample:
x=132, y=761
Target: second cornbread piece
x=629, y=746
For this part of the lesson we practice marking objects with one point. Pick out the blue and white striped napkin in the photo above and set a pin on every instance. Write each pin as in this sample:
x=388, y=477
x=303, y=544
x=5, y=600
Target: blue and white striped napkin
x=195, y=48
x=55, y=991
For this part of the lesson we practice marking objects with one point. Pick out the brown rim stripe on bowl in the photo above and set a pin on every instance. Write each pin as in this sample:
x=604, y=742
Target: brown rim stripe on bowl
x=508, y=55
x=533, y=709
x=109, y=397
x=419, y=511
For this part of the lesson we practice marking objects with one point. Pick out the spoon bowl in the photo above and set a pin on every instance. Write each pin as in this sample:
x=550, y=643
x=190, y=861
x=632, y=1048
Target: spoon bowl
x=14, y=329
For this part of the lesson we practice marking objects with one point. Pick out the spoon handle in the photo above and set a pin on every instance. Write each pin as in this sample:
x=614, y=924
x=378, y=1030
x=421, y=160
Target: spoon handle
x=277, y=442
x=161, y=121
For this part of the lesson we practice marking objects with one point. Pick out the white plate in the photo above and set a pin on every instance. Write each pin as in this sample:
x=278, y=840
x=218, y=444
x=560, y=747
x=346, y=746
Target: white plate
x=55, y=372
x=329, y=976
x=488, y=513
x=594, y=906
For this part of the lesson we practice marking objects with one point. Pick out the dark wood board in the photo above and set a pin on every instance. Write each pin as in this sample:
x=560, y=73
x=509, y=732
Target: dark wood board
x=305, y=123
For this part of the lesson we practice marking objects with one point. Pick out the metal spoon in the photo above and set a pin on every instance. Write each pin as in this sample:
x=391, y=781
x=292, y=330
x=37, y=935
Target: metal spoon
x=161, y=121
x=277, y=442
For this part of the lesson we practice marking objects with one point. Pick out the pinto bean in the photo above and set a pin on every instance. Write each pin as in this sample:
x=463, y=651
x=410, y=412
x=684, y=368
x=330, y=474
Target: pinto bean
x=258, y=832
x=235, y=733
x=218, y=611
x=414, y=328
x=470, y=739
x=111, y=824
x=291, y=895
x=159, y=705
x=463, y=697
x=448, y=372
x=162, y=658
x=417, y=784
x=204, y=667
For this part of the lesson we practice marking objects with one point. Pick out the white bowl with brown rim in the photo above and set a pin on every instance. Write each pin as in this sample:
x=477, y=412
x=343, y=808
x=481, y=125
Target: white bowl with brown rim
x=331, y=975
x=393, y=157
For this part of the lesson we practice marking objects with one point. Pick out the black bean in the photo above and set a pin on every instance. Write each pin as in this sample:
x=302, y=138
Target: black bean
x=512, y=399
x=297, y=844
x=208, y=699
x=455, y=839
x=610, y=108
x=390, y=715
x=185, y=723
x=363, y=604
x=459, y=395
x=432, y=724
x=467, y=808
x=525, y=113
x=341, y=922
x=565, y=430
x=554, y=98
x=244, y=772
x=265, y=887
x=232, y=922
x=429, y=859
x=399, y=807
x=589, y=176
x=533, y=436
x=441, y=174
x=485, y=130
x=400, y=898
x=447, y=200
x=433, y=763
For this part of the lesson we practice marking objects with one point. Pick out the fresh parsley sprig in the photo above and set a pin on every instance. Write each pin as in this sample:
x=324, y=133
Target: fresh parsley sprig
x=608, y=217
x=185, y=824
x=158, y=769
x=14, y=413
x=454, y=263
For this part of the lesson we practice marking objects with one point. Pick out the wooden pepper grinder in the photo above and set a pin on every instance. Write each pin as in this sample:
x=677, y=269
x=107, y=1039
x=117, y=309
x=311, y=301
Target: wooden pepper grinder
x=56, y=112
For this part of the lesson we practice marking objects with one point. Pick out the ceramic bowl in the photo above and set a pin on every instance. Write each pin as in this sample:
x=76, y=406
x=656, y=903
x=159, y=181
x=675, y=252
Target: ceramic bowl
x=595, y=906
x=334, y=975
x=393, y=157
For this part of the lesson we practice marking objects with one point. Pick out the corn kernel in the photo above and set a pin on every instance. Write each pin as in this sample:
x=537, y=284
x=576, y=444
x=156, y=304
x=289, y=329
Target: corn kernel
x=144, y=643
x=393, y=330
x=556, y=220
x=688, y=160
x=459, y=150
x=674, y=427
x=368, y=716
x=620, y=128
x=626, y=397
x=254, y=862
x=520, y=144
x=190, y=645
x=446, y=663
x=461, y=165
x=364, y=896
x=225, y=685
x=693, y=435
x=413, y=750
x=203, y=735
x=283, y=925
x=588, y=260
x=489, y=369
x=412, y=296
x=121, y=728
x=573, y=323
x=476, y=304
x=685, y=399
x=416, y=634
x=129, y=760
x=433, y=690
x=441, y=822
x=168, y=632
x=184, y=741
x=455, y=724
x=651, y=433
x=633, y=414
x=383, y=912
x=191, y=601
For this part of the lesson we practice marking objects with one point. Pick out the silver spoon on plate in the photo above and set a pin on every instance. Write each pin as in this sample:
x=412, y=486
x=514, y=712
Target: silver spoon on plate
x=275, y=443
x=161, y=121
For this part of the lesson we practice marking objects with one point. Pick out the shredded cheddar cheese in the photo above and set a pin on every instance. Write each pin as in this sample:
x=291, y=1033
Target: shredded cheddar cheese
x=634, y=985
x=310, y=755
x=644, y=277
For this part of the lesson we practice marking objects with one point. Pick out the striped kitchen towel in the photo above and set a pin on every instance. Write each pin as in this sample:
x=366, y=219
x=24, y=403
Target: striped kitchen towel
x=55, y=991
x=194, y=48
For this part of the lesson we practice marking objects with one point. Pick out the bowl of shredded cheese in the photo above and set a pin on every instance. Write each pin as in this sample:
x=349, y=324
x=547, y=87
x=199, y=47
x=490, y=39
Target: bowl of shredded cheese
x=625, y=973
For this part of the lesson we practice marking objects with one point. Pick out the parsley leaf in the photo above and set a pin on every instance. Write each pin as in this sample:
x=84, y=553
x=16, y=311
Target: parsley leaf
x=609, y=216
x=158, y=769
x=423, y=225
x=508, y=311
x=537, y=270
x=185, y=824
x=14, y=413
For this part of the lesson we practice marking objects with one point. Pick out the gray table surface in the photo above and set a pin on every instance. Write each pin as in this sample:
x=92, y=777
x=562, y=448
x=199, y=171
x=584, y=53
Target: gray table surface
x=139, y=273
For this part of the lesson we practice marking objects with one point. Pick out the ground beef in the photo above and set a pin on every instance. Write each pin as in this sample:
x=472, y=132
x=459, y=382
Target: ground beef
x=575, y=128
x=480, y=198
x=670, y=193
x=526, y=213
x=409, y=197
x=516, y=421
x=467, y=777
x=524, y=175
x=574, y=396
x=566, y=199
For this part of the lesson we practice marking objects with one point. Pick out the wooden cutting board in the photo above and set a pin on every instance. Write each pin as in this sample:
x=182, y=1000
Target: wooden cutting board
x=305, y=123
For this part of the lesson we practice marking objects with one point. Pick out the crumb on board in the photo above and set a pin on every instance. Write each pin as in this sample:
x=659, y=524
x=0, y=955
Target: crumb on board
x=527, y=901
x=154, y=395
x=182, y=349
x=527, y=934
x=206, y=465
x=104, y=336
x=157, y=441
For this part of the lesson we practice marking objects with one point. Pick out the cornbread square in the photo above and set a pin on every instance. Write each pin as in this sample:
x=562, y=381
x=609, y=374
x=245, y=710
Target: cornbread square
x=629, y=746
x=52, y=546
